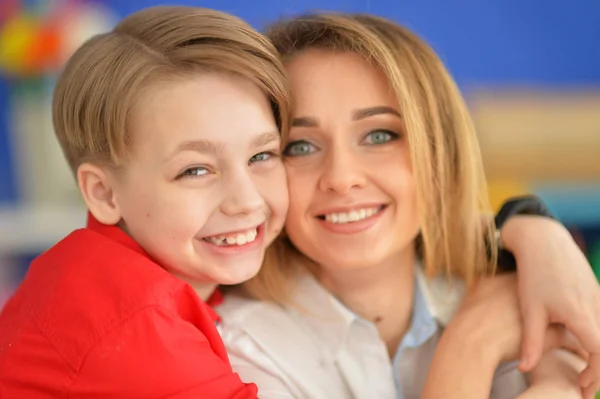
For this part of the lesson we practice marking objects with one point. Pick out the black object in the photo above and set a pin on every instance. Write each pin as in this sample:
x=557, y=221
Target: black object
x=526, y=205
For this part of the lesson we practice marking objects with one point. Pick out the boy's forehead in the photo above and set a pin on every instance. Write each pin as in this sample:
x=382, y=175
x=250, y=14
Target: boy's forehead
x=205, y=114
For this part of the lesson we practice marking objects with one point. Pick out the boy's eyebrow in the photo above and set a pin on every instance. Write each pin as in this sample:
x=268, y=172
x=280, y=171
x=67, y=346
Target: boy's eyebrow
x=212, y=147
x=203, y=146
x=264, y=139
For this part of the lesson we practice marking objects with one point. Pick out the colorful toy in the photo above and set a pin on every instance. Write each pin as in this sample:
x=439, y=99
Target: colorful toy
x=38, y=36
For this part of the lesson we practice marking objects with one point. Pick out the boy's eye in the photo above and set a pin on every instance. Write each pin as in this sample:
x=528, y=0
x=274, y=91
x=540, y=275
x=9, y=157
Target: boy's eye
x=194, y=172
x=262, y=156
x=380, y=137
x=298, y=148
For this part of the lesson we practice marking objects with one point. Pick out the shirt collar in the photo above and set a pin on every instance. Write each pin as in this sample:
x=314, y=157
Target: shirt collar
x=442, y=295
x=214, y=300
x=434, y=302
x=114, y=233
x=423, y=325
x=322, y=312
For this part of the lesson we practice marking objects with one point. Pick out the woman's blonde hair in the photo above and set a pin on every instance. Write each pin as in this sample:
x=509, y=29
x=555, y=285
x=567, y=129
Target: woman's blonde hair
x=108, y=74
x=444, y=150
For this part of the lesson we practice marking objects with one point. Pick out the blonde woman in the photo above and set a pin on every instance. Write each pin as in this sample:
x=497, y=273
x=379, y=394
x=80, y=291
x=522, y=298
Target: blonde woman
x=383, y=235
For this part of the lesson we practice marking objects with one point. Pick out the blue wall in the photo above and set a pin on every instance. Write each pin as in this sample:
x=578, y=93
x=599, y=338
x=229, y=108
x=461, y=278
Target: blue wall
x=531, y=42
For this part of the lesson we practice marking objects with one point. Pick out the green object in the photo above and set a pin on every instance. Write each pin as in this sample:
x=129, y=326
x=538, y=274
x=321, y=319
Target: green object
x=594, y=258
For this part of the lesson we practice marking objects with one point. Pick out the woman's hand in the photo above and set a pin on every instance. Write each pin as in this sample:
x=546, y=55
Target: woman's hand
x=485, y=332
x=491, y=316
x=556, y=286
x=555, y=377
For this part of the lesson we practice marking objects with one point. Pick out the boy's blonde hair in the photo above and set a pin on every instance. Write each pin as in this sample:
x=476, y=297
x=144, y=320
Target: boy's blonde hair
x=108, y=74
x=444, y=150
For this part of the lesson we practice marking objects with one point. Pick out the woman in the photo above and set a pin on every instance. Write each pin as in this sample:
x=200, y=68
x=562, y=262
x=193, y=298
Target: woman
x=385, y=180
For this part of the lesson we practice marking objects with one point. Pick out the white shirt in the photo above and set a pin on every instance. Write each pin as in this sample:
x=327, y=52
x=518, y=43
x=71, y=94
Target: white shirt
x=318, y=348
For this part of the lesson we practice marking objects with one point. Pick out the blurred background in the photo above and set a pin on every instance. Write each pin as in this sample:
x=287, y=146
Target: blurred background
x=530, y=70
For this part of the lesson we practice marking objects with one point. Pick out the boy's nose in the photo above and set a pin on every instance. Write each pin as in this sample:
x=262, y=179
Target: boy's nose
x=241, y=196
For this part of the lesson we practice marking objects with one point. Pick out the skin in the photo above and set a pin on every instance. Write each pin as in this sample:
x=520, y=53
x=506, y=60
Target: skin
x=195, y=172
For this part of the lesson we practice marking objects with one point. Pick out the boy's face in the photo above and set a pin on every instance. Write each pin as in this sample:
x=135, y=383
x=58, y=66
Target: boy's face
x=204, y=192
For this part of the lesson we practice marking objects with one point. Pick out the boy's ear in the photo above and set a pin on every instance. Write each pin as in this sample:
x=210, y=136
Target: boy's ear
x=97, y=189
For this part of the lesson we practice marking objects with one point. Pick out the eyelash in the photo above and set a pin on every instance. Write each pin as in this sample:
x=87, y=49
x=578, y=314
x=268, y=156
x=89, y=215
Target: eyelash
x=392, y=136
x=288, y=148
x=291, y=145
x=188, y=173
x=271, y=154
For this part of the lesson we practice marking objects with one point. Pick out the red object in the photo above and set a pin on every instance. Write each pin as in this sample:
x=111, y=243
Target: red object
x=45, y=51
x=8, y=8
x=96, y=318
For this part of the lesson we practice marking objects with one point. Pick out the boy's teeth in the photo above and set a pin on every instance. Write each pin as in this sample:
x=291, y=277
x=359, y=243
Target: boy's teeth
x=234, y=239
x=352, y=216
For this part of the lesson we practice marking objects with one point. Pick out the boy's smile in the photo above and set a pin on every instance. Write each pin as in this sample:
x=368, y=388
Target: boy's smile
x=236, y=242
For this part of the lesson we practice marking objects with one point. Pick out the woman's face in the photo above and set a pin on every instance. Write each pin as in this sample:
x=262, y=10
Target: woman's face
x=352, y=192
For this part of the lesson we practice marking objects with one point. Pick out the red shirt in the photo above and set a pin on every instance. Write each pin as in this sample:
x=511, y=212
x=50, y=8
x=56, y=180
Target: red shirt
x=96, y=318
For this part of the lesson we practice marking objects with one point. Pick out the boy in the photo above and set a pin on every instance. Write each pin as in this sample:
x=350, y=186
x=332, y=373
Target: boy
x=170, y=124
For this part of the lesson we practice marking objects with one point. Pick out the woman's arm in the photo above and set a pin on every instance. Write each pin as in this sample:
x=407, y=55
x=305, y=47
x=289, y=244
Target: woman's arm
x=475, y=342
x=556, y=283
x=461, y=368
x=485, y=332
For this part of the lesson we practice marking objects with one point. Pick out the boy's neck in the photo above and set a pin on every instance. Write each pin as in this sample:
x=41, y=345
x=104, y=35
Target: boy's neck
x=382, y=294
x=204, y=291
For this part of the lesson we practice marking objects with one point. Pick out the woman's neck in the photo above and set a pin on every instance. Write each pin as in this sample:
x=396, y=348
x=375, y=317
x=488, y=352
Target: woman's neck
x=382, y=294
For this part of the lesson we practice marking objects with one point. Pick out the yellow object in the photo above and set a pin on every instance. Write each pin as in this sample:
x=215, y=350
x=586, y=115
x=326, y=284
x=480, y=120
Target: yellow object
x=500, y=190
x=16, y=40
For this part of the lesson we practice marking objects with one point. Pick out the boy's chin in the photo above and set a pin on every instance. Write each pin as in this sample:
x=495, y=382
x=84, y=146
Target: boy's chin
x=238, y=273
x=235, y=280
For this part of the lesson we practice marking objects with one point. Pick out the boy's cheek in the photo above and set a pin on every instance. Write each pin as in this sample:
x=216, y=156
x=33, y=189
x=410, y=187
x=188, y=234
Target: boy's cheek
x=275, y=193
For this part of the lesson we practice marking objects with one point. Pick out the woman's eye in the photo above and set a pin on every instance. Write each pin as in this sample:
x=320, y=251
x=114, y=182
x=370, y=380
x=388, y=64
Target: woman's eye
x=194, y=172
x=380, y=137
x=298, y=148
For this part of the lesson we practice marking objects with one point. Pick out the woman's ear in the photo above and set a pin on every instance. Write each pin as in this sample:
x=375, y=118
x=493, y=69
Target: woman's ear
x=98, y=191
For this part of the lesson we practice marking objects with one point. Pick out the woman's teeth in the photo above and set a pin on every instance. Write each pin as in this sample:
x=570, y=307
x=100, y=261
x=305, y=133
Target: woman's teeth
x=234, y=239
x=352, y=216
